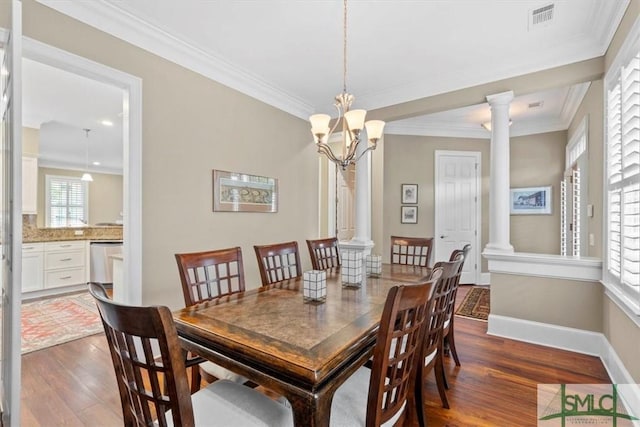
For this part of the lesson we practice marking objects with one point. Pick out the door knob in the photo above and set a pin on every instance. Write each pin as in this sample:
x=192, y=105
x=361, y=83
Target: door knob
x=443, y=236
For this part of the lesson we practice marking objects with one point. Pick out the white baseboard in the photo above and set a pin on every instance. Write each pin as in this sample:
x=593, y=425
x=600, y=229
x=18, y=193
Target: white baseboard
x=572, y=339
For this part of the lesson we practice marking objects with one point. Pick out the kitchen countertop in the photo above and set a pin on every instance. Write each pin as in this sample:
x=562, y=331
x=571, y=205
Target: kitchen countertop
x=33, y=234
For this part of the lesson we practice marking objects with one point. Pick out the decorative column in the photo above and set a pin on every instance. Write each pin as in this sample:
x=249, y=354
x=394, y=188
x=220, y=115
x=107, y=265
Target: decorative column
x=361, y=240
x=499, y=221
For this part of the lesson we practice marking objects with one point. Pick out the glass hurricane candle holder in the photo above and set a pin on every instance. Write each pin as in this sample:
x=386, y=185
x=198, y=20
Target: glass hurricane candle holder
x=374, y=265
x=314, y=285
x=351, y=269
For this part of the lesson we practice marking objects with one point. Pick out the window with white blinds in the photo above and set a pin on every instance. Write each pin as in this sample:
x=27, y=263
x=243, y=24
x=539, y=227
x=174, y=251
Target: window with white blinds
x=66, y=201
x=622, y=186
x=571, y=187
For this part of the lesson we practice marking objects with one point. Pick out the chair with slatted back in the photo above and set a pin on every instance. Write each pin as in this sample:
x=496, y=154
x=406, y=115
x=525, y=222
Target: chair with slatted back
x=277, y=262
x=464, y=251
x=207, y=276
x=324, y=253
x=432, y=345
x=380, y=395
x=411, y=250
x=448, y=335
x=152, y=378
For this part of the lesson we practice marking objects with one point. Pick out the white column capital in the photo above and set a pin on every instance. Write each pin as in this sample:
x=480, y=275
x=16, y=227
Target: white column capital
x=501, y=98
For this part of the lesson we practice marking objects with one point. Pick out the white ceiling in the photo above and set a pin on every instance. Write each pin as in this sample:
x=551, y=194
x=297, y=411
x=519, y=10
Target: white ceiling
x=289, y=53
x=62, y=105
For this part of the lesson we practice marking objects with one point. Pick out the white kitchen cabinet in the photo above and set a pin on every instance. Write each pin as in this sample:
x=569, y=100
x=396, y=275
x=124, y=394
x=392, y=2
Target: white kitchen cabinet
x=64, y=263
x=32, y=267
x=29, y=185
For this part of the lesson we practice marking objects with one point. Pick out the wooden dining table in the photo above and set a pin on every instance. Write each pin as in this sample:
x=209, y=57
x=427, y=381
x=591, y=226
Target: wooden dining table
x=301, y=350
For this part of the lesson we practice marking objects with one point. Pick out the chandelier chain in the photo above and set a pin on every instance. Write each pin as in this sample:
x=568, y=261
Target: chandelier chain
x=344, y=47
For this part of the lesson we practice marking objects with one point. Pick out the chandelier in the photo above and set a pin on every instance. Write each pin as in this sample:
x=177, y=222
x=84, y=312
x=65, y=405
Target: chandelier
x=352, y=121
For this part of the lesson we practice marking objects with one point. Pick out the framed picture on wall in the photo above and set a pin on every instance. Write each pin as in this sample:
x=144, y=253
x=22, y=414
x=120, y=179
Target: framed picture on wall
x=531, y=201
x=409, y=214
x=409, y=193
x=241, y=192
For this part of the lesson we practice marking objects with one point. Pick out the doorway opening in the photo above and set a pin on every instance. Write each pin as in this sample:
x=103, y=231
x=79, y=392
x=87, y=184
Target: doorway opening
x=131, y=87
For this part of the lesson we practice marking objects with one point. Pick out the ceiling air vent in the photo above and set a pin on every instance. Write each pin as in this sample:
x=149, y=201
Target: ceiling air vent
x=537, y=104
x=541, y=17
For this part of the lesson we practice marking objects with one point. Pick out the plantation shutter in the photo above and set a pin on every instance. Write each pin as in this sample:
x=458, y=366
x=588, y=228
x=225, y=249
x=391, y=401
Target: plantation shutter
x=67, y=201
x=623, y=175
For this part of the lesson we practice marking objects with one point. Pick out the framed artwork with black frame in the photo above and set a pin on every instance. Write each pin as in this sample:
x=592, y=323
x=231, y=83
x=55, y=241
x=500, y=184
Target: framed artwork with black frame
x=410, y=194
x=409, y=214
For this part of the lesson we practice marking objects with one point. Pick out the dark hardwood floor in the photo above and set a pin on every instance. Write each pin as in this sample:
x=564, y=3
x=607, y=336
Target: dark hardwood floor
x=73, y=384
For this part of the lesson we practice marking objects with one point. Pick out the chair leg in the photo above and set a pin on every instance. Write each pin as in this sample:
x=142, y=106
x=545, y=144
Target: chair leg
x=420, y=395
x=451, y=343
x=195, y=378
x=441, y=380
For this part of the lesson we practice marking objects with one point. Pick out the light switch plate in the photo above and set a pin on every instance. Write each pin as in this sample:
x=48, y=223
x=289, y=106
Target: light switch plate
x=78, y=232
x=590, y=211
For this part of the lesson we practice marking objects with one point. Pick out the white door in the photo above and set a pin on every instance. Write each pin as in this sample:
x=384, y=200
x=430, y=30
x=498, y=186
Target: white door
x=11, y=223
x=457, y=208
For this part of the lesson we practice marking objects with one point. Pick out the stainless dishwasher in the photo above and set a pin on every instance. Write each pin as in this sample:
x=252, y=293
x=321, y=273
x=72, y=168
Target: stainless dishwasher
x=101, y=265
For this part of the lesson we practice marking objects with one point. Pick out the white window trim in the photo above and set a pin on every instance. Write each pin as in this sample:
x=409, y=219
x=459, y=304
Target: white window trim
x=613, y=287
x=577, y=215
x=47, y=213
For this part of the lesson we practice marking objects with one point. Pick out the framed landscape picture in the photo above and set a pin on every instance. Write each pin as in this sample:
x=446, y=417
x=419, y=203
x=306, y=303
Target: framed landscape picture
x=409, y=194
x=409, y=215
x=531, y=201
x=241, y=192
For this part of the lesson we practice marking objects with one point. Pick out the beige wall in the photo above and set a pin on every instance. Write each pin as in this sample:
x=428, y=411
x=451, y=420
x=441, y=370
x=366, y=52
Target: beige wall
x=623, y=335
x=192, y=125
x=105, y=195
x=537, y=160
x=592, y=107
x=30, y=142
x=411, y=160
x=568, y=303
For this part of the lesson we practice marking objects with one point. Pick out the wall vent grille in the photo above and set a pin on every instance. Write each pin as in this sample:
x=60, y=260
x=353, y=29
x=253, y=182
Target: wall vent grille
x=542, y=16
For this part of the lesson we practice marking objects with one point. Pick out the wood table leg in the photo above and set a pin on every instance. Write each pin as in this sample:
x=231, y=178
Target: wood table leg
x=311, y=410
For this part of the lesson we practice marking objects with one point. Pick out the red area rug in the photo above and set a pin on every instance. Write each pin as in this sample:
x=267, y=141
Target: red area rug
x=53, y=321
x=475, y=304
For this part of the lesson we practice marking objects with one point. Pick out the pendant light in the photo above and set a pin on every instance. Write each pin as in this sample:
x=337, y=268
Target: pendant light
x=352, y=121
x=87, y=176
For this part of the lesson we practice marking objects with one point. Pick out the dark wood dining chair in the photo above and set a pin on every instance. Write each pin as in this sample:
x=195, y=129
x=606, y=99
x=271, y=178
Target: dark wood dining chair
x=448, y=334
x=411, y=250
x=464, y=251
x=432, y=350
x=152, y=378
x=278, y=262
x=207, y=276
x=380, y=395
x=324, y=253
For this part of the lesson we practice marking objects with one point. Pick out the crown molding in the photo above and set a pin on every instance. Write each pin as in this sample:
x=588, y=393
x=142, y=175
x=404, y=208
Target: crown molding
x=605, y=20
x=464, y=130
x=446, y=129
x=572, y=102
x=61, y=164
x=111, y=19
